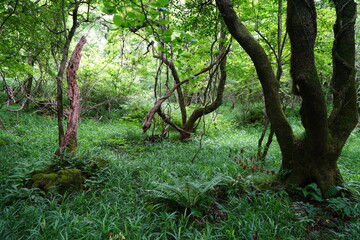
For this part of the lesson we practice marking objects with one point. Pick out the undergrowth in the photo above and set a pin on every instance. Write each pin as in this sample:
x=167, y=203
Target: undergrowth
x=157, y=190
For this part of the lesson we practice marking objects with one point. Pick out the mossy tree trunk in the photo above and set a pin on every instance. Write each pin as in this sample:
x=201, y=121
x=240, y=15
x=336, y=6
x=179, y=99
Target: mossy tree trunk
x=314, y=157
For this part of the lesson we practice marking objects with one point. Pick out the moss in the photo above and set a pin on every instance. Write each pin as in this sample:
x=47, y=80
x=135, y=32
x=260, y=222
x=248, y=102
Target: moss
x=67, y=180
x=44, y=181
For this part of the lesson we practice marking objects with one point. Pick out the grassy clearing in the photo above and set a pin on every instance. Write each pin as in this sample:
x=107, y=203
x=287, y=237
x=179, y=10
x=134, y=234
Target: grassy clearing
x=155, y=190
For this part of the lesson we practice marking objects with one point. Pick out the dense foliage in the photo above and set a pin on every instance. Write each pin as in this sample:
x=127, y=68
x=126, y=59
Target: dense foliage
x=212, y=185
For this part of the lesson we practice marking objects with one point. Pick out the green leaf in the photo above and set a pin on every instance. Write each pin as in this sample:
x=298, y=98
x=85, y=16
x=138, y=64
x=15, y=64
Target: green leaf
x=164, y=21
x=168, y=33
x=141, y=17
x=118, y=20
x=162, y=3
x=131, y=15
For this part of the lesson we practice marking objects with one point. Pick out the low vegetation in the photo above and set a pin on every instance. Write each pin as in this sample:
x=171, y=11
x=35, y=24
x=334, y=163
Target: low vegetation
x=209, y=188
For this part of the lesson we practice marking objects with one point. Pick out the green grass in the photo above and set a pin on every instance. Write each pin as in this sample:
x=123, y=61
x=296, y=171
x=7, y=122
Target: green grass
x=120, y=203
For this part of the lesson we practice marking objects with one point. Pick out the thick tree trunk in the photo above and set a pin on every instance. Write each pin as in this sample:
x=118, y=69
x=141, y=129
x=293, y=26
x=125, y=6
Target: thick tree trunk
x=316, y=155
x=314, y=147
x=312, y=158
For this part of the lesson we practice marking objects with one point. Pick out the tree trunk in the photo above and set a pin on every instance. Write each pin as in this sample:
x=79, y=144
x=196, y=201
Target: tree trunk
x=266, y=76
x=60, y=74
x=313, y=158
x=311, y=151
x=70, y=139
x=316, y=155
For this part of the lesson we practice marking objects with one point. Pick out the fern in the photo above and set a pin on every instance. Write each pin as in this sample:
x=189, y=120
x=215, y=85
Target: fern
x=184, y=195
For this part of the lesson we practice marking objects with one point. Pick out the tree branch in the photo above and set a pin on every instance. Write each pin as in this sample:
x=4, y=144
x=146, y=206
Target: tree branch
x=147, y=121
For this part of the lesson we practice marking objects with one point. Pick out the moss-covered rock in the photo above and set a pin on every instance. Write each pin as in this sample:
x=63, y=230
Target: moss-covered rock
x=67, y=180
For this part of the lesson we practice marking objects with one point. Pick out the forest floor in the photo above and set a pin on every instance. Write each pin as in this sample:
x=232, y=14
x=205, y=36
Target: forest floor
x=209, y=188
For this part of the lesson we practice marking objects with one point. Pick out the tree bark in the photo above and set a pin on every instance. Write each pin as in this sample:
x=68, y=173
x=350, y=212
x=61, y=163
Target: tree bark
x=70, y=139
x=312, y=158
x=311, y=151
x=344, y=116
x=60, y=74
x=266, y=76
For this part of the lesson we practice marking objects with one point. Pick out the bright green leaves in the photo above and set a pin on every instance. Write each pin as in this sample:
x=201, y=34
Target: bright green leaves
x=119, y=21
x=135, y=14
x=167, y=35
x=161, y=3
x=130, y=19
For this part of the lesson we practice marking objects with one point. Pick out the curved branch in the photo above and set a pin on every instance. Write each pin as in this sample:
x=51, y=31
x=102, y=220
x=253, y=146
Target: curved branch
x=147, y=121
x=10, y=14
x=266, y=76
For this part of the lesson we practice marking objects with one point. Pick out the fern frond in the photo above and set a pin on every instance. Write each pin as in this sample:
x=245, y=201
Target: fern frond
x=186, y=194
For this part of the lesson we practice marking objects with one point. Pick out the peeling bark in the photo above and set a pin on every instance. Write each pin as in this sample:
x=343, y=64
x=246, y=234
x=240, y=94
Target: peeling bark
x=70, y=139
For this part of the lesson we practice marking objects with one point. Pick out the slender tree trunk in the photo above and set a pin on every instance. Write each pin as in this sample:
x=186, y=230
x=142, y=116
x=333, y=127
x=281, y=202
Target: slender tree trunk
x=279, y=72
x=70, y=139
x=266, y=76
x=344, y=116
x=60, y=74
